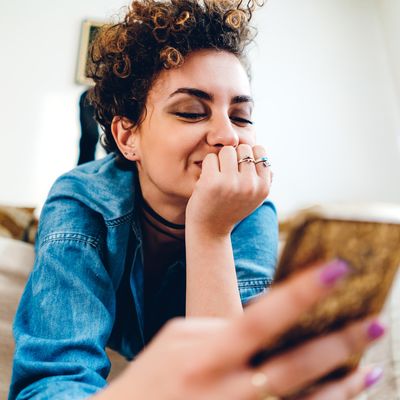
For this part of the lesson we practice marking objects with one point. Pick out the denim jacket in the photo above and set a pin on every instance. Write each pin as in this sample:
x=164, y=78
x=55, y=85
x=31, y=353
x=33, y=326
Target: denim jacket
x=86, y=288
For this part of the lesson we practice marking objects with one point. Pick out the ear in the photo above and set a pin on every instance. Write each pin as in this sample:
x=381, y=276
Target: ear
x=125, y=135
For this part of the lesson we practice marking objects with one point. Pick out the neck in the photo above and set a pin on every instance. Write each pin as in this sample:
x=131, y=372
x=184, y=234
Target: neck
x=158, y=218
x=171, y=208
x=159, y=234
x=158, y=228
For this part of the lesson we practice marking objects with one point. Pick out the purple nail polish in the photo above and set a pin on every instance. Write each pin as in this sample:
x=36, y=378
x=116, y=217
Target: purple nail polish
x=373, y=377
x=333, y=272
x=375, y=330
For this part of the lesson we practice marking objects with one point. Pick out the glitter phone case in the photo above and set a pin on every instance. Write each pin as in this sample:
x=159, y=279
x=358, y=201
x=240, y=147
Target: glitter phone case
x=365, y=236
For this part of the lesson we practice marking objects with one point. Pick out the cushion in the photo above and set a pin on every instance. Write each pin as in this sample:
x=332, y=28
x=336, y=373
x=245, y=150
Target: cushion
x=16, y=260
x=18, y=223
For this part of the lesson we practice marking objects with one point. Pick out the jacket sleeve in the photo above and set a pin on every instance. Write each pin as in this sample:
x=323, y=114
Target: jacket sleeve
x=65, y=315
x=255, y=250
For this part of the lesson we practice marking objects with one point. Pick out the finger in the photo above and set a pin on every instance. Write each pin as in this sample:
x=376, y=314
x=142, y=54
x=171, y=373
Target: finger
x=348, y=387
x=244, y=151
x=195, y=326
x=262, y=168
x=305, y=365
x=210, y=165
x=185, y=332
x=275, y=312
x=228, y=160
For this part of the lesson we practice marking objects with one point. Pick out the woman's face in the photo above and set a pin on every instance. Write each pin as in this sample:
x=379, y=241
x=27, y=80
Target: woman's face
x=191, y=111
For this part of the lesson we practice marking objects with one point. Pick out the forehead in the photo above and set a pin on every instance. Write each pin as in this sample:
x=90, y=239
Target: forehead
x=216, y=72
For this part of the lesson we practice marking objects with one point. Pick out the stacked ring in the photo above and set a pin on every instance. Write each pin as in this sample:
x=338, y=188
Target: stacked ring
x=264, y=160
x=247, y=159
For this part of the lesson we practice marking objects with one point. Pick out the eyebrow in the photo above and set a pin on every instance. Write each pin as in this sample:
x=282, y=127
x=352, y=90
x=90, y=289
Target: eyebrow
x=207, y=96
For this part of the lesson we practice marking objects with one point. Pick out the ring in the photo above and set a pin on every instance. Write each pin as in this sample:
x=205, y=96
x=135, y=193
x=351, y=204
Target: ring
x=264, y=160
x=260, y=380
x=247, y=159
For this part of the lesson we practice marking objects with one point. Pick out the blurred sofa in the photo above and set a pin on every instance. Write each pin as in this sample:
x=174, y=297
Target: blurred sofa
x=17, y=233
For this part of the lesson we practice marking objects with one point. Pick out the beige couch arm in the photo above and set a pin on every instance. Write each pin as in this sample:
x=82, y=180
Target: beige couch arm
x=16, y=261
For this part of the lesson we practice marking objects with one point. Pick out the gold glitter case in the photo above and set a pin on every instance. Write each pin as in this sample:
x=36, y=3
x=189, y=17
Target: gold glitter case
x=365, y=236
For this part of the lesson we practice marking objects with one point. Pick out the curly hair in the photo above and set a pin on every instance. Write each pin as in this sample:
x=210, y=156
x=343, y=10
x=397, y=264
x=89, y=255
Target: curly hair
x=126, y=57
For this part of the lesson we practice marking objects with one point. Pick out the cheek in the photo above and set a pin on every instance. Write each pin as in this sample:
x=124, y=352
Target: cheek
x=248, y=137
x=185, y=142
x=169, y=157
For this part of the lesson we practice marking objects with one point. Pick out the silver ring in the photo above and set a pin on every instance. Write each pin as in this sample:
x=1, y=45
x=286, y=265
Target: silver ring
x=260, y=380
x=247, y=159
x=264, y=160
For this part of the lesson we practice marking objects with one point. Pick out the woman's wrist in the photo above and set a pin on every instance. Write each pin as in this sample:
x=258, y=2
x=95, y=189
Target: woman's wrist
x=212, y=230
x=211, y=282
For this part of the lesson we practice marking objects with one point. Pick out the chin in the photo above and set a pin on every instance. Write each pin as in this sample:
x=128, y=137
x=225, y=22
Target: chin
x=187, y=193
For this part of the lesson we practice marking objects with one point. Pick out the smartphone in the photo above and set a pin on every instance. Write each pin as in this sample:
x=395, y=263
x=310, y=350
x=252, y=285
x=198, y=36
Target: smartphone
x=367, y=237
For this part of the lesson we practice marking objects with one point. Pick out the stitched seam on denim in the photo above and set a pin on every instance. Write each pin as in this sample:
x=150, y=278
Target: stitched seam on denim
x=119, y=220
x=254, y=283
x=77, y=237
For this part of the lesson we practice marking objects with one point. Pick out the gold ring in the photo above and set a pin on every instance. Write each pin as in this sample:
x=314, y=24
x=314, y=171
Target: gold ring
x=260, y=381
x=247, y=159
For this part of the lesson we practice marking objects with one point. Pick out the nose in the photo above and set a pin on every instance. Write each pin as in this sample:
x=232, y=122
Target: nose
x=221, y=132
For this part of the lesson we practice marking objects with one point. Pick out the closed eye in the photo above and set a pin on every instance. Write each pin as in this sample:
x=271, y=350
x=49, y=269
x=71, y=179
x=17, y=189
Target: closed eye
x=241, y=120
x=190, y=115
x=198, y=116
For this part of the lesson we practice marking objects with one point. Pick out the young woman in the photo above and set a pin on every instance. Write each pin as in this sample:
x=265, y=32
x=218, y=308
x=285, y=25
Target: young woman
x=173, y=222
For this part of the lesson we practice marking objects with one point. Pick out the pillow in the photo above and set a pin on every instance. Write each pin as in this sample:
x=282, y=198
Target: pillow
x=18, y=223
x=16, y=261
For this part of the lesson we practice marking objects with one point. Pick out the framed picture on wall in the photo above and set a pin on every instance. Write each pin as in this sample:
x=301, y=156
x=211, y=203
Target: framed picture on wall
x=88, y=32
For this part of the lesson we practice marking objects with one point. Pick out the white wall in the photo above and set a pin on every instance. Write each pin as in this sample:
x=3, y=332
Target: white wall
x=389, y=12
x=326, y=99
x=39, y=43
x=325, y=74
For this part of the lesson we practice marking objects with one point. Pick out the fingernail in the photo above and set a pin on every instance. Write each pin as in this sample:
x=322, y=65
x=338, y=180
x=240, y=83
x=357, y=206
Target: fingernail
x=373, y=377
x=375, y=330
x=333, y=272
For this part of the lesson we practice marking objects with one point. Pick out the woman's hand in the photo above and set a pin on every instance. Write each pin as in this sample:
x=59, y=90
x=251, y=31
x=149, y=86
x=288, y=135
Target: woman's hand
x=208, y=359
x=226, y=191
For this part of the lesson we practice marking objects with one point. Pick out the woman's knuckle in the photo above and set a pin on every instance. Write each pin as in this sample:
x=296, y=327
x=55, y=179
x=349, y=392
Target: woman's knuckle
x=353, y=339
x=190, y=373
x=175, y=325
x=214, y=186
x=263, y=190
x=347, y=346
x=210, y=157
x=247, y=191
x=234, y=189
x=258, y=149
x=249, y=187
x=243, y=147
x=299, y=295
